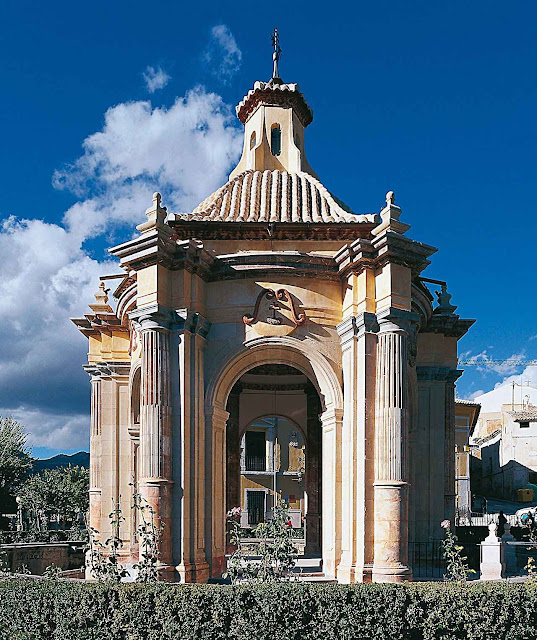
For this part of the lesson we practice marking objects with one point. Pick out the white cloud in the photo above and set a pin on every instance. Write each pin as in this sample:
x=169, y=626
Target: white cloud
x=46, y=274
x=155, y=78
x=51, y=429
x=184, y=151
x=223, y=53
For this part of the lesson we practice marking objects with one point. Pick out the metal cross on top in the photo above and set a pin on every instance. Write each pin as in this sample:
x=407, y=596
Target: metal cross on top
x=277, y=53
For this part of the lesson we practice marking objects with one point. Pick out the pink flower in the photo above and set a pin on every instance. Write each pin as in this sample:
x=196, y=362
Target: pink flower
x=445, y=524
x=289, y=524
x=233, y=513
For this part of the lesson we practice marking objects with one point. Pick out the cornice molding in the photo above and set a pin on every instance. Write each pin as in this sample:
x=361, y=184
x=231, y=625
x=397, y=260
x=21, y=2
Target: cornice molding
x=438, y=373
x=451, y=326
x=108, y=369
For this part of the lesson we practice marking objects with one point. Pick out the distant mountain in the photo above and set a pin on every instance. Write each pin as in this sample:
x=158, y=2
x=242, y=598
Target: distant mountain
x=80, y=459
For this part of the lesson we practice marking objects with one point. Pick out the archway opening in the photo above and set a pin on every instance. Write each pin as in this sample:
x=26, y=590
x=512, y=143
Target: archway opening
x=273, y=451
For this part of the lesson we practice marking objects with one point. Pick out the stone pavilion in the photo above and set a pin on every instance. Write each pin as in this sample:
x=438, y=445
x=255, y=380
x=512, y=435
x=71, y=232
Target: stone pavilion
x=273, y=341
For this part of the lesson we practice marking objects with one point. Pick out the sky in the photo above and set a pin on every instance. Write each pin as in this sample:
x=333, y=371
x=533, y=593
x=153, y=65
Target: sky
x=105, y=102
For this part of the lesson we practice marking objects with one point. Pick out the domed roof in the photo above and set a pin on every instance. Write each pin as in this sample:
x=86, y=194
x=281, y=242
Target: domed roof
x=274, y=196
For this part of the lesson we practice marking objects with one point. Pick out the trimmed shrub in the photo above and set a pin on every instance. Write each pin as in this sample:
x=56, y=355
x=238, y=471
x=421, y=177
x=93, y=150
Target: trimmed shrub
x=53, y=610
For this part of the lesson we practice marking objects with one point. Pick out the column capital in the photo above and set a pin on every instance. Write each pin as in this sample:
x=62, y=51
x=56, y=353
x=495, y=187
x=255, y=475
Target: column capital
x=157, y=317
x=393, y=320
x=217, y=415
x=330, y=417
x=357, y=326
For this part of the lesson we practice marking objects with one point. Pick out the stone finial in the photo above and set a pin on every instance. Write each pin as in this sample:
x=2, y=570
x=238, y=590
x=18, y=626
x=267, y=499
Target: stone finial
x=101, y=300
x=445, y=308
x=156, y=215
x=492, y=537
x=390, y=217
x=101, y=295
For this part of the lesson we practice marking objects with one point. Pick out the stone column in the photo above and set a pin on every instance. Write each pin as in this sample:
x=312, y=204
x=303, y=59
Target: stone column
x=313, y=472
x=358, y=345
x=95, y=492
x=155, y=428
x=391, y=435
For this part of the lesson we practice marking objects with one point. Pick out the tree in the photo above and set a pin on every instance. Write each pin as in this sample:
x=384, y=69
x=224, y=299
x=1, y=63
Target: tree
x=15, y=462
x=60, y=494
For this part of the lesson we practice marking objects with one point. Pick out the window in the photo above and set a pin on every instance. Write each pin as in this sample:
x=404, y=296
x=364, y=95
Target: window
x=135, y=398
x=256, y=457
x=252, y=140
x=524, y=425
x=255, y=505
x=276, y=140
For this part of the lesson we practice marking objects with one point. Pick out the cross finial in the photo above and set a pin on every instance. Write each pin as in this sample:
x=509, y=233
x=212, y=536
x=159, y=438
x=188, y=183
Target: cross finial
x=276, y=54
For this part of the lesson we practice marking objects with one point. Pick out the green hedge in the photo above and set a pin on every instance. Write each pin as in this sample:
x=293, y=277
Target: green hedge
x=31, y=610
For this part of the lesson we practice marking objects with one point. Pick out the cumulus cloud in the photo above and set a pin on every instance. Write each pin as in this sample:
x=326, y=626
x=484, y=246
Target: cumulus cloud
x=47, y=274
x=223, y=53
x=155, y=79
x=185, y=151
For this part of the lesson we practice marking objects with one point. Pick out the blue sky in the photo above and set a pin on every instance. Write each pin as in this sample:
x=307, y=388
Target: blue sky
x=105, y=102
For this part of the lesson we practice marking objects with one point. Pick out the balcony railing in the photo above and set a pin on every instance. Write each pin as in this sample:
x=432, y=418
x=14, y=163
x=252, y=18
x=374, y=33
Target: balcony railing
x=255, y=463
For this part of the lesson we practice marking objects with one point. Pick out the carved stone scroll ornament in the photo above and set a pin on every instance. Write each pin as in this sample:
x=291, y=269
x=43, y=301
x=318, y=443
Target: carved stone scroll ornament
x=280, y=295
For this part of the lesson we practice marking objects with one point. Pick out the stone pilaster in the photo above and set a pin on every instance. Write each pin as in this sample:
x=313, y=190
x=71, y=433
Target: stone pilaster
x=434, y=474
x=450, y=493
x=391, y=443
x=216, y=419
x=331, y=421
x=358, y=342
x=313, y=475
x=95, y=492
x=190, y=556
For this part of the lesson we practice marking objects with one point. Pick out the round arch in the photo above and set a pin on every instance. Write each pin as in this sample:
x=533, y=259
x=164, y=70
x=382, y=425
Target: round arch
x=275, y=350
x=273, y=415
x=271, y=350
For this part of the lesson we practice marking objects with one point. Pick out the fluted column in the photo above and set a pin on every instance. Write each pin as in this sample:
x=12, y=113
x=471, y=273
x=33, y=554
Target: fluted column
x=155, y=427
x=391, y=443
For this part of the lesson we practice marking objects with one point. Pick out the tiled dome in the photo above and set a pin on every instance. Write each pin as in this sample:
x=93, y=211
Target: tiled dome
x=274, y=196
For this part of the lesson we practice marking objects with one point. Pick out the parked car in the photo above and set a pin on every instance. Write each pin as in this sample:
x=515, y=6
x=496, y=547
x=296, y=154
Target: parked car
x=522, y=515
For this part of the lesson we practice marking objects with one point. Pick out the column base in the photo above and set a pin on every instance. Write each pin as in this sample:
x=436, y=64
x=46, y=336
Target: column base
x=353, y=574
x=218, y=566
x=396, y=573
x=189, y=573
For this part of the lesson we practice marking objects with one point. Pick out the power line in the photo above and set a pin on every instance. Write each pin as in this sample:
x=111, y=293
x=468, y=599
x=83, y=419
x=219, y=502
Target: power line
x=494, y=363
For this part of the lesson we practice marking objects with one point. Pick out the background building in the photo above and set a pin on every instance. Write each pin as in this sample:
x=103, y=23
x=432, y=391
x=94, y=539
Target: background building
x=505, y=441
x=466, y=415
